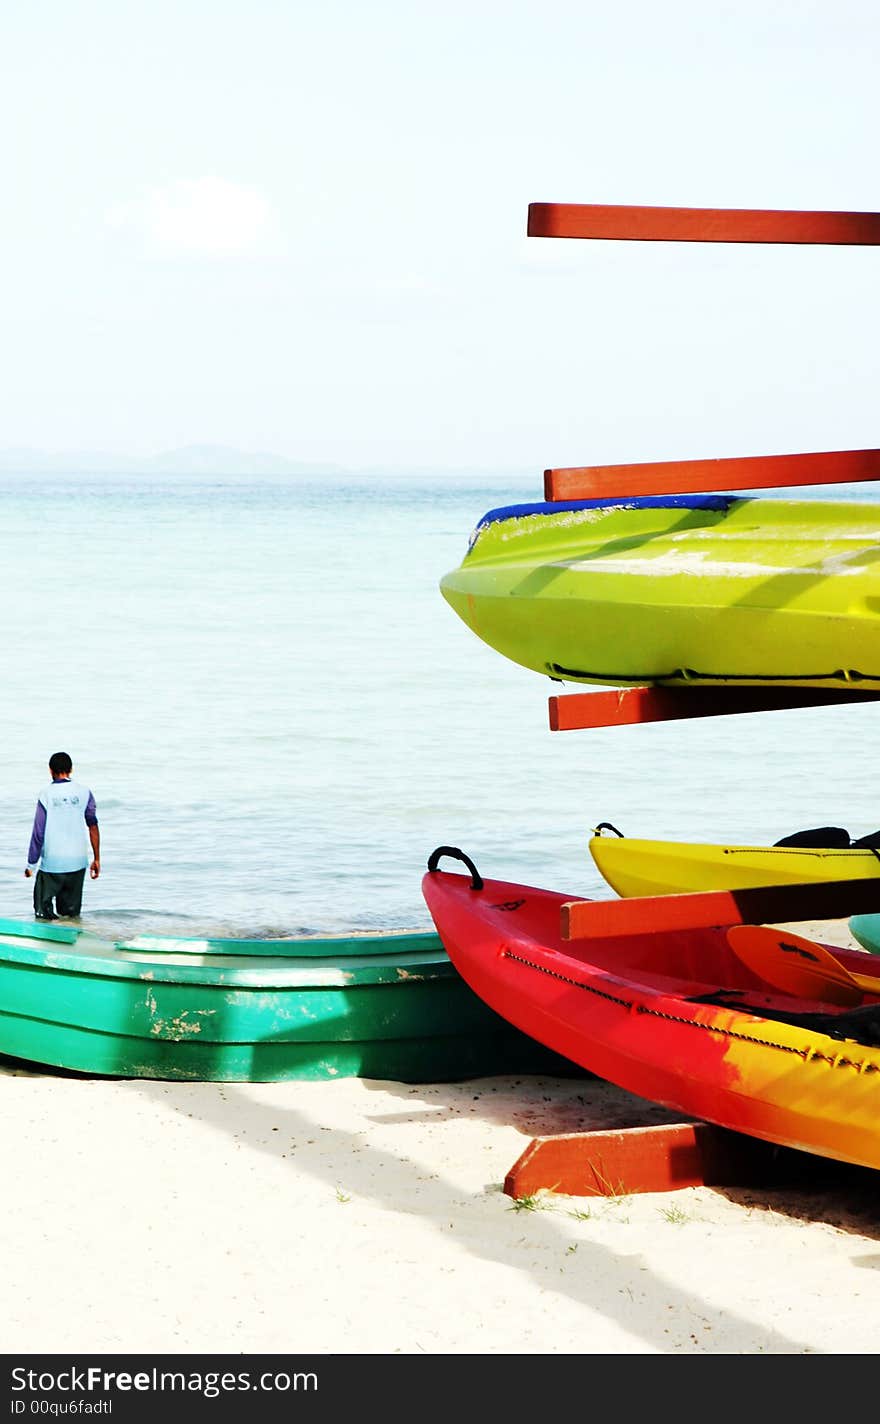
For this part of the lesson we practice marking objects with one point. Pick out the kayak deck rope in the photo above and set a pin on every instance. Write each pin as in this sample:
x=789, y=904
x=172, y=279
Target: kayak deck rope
x=809, y=1053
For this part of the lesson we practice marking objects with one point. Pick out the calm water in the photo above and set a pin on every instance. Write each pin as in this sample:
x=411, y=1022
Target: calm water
x=280, y=716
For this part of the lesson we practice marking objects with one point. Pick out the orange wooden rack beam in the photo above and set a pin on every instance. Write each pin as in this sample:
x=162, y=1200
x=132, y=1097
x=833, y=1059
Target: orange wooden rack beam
x=629, y=705
x=651, y=1158
x=700, y=476
x=764, y=905
x=626, y=223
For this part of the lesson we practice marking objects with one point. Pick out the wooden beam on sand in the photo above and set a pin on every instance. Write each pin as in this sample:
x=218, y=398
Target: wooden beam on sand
x=626, y=223
x=739, y=472
x=628, y=705
x=651, y=1158
x=762, y=905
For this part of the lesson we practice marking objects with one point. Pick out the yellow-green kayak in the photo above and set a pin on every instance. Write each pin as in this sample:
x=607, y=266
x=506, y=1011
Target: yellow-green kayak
x=635, y=867
x=679, y=589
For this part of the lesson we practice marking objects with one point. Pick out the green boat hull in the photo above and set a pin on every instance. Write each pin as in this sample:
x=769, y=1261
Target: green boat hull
x=385, y=1006
x=866, y=929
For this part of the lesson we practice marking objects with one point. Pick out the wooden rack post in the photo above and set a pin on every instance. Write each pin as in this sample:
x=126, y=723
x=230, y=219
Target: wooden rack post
x=626, y=706
x=706, y=909
x=833, y=467
x=619, y=222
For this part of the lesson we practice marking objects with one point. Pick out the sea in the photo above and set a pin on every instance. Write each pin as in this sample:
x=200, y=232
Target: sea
x=281, y=718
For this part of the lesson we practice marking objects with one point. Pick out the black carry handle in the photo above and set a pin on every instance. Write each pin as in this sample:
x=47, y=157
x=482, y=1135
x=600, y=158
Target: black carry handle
x=607, y=826
x=433, y=858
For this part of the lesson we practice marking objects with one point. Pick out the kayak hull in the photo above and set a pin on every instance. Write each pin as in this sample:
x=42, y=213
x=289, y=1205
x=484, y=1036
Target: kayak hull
x=635, y=867
x=866, y=929
x=673, y=1017
x=707, y=589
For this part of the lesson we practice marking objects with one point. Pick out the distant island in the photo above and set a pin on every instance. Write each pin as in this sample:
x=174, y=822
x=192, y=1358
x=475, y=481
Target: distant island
x=208, y=461
x=188, y=460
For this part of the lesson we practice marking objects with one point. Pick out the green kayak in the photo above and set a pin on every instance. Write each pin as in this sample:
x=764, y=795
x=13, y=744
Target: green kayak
x=373, y=1006
x=866, y=929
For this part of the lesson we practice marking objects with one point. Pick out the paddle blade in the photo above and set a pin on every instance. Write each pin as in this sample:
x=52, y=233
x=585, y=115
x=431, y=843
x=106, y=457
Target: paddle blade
x=794, y=964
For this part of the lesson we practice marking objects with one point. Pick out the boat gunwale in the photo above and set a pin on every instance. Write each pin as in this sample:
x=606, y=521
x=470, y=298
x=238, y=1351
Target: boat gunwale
x=222, y=972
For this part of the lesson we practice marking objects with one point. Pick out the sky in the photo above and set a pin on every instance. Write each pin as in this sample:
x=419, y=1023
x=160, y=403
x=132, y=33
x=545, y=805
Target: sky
x=300, y=228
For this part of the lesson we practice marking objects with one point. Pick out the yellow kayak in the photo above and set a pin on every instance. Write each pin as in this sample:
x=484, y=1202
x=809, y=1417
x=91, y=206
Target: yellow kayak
x=639, y=867
x=680, y=589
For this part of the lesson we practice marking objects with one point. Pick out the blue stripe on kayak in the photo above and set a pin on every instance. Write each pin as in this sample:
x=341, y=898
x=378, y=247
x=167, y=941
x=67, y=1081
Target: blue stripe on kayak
x=651, y=501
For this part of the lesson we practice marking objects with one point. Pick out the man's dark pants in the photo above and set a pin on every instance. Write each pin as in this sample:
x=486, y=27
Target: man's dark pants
x=65, y=888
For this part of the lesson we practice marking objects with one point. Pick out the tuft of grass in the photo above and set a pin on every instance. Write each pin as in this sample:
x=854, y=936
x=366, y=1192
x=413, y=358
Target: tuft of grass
x=341, y=1195
x=535, y=1202
x=612, y=1191
x=581, y=1215
x=673, y=1214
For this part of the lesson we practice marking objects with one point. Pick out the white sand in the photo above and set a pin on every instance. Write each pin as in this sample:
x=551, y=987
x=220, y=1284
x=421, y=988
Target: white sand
x=368, y=1217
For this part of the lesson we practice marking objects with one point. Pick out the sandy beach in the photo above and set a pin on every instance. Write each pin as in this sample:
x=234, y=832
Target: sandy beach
x=367, y=1217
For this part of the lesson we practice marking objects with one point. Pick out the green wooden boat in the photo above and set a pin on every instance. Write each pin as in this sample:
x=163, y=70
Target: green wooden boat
x=373, y=1006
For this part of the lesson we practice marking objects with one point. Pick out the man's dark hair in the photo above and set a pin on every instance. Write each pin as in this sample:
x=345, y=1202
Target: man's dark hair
x=60, y=764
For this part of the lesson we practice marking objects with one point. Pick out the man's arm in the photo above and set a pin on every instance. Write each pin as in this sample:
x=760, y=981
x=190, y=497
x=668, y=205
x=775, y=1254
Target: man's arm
x=35, y=849
x=91, y=819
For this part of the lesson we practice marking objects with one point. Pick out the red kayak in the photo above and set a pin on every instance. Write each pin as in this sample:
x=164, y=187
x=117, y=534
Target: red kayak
x=675, y=1016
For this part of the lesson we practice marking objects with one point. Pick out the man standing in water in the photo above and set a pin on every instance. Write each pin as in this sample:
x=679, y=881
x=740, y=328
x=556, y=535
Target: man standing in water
x=65, y=823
